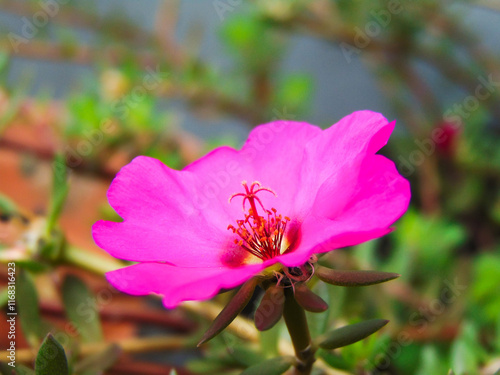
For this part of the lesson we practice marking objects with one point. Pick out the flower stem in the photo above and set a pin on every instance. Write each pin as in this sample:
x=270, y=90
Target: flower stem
x=296, y=322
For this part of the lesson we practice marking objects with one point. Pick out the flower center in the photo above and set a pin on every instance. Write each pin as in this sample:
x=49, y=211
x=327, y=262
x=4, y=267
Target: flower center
x=260, y=235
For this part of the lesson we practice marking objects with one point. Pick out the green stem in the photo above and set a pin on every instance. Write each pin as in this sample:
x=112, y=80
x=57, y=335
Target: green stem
x=296, y=322
x=89, y=261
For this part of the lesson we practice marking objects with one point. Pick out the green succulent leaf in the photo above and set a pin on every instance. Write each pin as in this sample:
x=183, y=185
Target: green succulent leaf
x=52, y=246
x=245, y=357
x=333, y=359
x=33, y=266
x=354, y=278
x=60, y=190
x=81, y=309
x=270, y=308
x=274, y=366
x=209, y=365
x=51, y=358
x=231, y=310
x=6, y=369
x=350, y=334
x=29, y=312
x=309, y=300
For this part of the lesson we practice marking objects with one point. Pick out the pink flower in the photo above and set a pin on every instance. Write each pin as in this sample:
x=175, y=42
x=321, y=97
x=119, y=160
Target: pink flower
x=203, y=229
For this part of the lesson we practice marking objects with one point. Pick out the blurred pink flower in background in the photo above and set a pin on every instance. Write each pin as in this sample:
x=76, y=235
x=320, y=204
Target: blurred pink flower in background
x=293, y=190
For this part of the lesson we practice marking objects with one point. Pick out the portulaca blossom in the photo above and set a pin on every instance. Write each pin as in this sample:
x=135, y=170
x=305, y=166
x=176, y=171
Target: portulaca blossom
x=292, y=191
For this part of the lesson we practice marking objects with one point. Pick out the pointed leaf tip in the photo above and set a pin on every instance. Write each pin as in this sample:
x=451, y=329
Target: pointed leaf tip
x=270, y=308
x=354, y=277
x=309, y=300
x=51, y=358
x=273, y=366
x=350, y=334
x=231, y=310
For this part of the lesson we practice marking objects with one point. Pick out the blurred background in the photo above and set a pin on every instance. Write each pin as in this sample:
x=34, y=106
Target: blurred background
x=85, y=86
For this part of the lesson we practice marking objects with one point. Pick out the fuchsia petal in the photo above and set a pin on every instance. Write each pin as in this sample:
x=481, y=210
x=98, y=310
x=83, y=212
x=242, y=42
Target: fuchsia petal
x=346, y=143
x=275, y=152
x=380, y=198
x=335, y=158
x=163, y=217
x=216, y=177
x=295, y=159
x=149, y=241
x=179, y=284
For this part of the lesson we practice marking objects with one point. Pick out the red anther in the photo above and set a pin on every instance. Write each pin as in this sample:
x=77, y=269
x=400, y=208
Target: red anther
x=262, y=237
